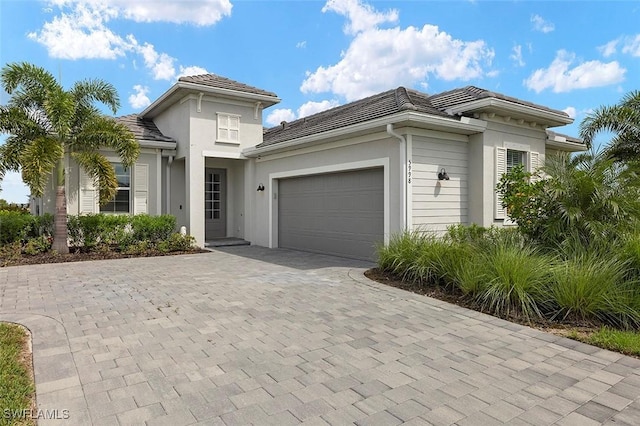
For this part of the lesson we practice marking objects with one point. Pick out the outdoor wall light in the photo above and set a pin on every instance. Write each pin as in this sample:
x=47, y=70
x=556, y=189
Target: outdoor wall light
x=261, y=187
x=442, y=175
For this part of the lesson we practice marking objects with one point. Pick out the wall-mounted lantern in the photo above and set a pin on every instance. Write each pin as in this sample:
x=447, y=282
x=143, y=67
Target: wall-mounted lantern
x=442, y=175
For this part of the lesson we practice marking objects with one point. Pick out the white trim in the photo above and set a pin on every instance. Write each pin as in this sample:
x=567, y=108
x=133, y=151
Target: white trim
x=372, y=137
x=228, y=128
x=511, y=107
x=356, y=165
x=159, y=182
x=566, y=145
x=409, y=197
x=266, y=99
x=468, y=126
x=222, y=154
x=145, y=143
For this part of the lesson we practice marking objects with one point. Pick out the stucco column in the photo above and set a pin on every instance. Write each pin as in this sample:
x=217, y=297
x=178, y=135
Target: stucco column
x=194, y=187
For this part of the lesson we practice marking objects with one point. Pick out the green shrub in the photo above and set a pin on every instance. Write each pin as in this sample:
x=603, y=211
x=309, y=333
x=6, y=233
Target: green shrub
x=176, y=242
x=466, y=233
x=37, y=245
x=152, y=228
x=594, y=288
x=122, y=231
x=19, y=226
x=10, y=251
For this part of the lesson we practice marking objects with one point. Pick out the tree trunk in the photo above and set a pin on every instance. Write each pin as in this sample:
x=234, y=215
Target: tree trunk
x=60, y=222
x=60, y=232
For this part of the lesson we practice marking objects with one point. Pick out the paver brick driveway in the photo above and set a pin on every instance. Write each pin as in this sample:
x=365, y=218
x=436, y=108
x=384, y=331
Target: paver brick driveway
x=249, y=335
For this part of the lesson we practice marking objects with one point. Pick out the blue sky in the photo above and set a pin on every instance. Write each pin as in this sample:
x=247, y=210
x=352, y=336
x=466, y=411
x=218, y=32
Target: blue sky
x=568, y=55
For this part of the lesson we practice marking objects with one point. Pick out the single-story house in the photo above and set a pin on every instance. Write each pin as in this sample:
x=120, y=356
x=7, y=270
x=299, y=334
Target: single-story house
x=339, y=181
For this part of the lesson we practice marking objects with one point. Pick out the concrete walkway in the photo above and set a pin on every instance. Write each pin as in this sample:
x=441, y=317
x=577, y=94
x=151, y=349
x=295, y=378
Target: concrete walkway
x=248, y=335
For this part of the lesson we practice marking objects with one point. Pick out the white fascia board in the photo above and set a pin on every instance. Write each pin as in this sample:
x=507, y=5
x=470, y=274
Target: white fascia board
x=508, y=106
x=267, y=100
x=467, y=126
x=145, y=143
x=563, y=144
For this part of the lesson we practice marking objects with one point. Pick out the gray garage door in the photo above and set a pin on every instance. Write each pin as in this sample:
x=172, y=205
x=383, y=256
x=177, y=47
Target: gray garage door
x=335, y=213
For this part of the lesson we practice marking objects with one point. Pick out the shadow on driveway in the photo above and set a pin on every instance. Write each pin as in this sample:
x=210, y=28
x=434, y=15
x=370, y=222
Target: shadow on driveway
x=293, y=258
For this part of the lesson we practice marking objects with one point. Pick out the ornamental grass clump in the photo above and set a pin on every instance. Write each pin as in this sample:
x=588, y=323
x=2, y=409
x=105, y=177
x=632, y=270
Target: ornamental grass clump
x=514, y=278
x=594, y=289
x=423, y=258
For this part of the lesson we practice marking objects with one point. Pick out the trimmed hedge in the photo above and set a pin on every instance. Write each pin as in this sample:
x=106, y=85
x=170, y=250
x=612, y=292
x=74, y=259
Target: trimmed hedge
x=122, y=231
x=18, y=226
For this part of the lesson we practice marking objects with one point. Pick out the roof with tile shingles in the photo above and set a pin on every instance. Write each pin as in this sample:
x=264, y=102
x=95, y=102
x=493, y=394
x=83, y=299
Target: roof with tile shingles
x=143, y=129
x=370, y=108
x=384, y=104
x=467, y=94
x=217, y=81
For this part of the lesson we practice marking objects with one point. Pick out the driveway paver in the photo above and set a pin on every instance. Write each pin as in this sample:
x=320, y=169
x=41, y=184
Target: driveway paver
x=247, y=335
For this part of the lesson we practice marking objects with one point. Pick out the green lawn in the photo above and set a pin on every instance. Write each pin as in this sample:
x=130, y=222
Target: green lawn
x=626, y=342
x=16, y=385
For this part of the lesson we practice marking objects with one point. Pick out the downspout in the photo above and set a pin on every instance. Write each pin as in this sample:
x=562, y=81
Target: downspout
x=169, y=161
x=403, y=175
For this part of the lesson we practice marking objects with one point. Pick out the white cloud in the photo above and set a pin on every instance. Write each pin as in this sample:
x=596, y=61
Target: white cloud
x=277, y=116
x=139, y=99
x=197, y=12
x=609, y=48
x=516, y=56
x=311, y=107
x=308, y=108
x=81, y=34
x=540, y=24
x=192, y=70
x=81, y=30
x=632, y=46
x=561, y=78
x=301, y=44
x=361, y=16
x=571, y=111
x=160, y=64
x=399, y=57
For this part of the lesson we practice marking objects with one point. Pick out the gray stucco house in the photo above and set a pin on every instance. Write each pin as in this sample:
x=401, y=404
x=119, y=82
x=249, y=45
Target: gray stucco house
x=336, y=182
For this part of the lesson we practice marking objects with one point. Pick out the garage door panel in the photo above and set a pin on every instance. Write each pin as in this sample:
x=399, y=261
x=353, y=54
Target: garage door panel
x=338, y=213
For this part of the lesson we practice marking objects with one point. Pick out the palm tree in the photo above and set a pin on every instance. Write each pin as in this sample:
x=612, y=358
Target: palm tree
x=623, y=120
x=46, y=123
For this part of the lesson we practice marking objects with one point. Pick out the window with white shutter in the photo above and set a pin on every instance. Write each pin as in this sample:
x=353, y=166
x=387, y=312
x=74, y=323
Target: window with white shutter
x=501, y=168
x=228, y=128
x=88, y=194
x=141, y=189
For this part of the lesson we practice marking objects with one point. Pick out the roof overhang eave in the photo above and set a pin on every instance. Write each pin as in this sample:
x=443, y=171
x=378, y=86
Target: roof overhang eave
x=147, y=143
x=509, y=108
x=465, y=125
x=562, y=144
x=156, y=105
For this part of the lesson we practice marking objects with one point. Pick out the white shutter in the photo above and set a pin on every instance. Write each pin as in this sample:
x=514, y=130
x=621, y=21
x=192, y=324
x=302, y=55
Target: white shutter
x=141, y=188
x=501, y=168
x=534, y=163
x=88, y=194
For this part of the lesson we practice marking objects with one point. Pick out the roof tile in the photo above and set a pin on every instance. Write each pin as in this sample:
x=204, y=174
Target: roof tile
x=213, y=80
x=143, y=129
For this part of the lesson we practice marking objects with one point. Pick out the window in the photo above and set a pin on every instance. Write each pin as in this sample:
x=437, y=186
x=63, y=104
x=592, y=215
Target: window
x=514, y=158
x=228, y=128
x=122, y=201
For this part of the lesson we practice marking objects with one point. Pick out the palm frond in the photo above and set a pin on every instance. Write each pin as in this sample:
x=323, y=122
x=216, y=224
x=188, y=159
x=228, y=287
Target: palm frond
x=105, y=132
x=98, y=167
x=38, y=158
x=86, y=92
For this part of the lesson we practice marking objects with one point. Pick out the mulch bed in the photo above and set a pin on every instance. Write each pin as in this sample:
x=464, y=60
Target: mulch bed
x=79, y=256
